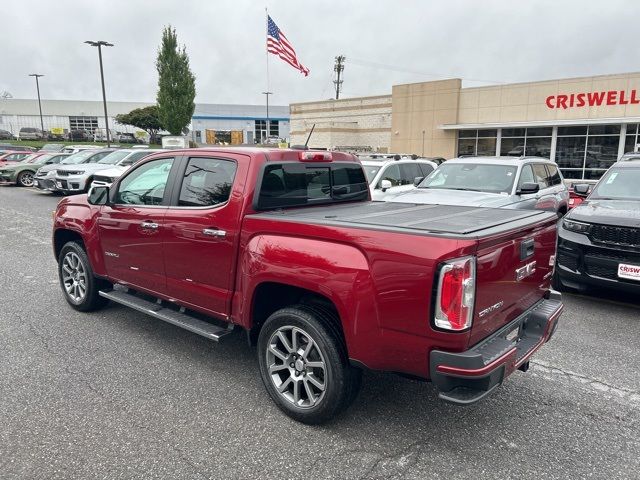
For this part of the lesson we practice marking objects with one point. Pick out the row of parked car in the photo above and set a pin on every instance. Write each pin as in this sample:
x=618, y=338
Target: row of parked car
x=71, y=171
x=80, y=135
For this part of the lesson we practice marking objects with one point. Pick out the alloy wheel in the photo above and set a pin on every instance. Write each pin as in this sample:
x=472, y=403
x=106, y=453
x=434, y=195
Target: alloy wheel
x=296, y=366
x=74, y=277
x=26, y=179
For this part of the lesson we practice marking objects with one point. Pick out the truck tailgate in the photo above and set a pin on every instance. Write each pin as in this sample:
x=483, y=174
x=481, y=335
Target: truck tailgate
x=514, y=272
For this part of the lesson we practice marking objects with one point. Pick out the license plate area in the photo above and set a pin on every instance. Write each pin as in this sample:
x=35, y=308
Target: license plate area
x=514, y=333
x=629, y=271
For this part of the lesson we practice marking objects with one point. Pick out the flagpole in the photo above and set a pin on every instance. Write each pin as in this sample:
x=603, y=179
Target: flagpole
x=266, y=15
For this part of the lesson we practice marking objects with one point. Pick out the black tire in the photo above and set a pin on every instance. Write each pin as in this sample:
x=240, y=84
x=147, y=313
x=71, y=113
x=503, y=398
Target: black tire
x=341, y=381
x=73, y=254
x=25, y=179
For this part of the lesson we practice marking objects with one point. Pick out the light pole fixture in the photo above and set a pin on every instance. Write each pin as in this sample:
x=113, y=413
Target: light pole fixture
x=266, y=94
x=100, y=44
x=37, y=76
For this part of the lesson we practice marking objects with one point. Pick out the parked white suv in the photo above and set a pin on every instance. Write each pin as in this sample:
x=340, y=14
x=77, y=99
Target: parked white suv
x=393, y=174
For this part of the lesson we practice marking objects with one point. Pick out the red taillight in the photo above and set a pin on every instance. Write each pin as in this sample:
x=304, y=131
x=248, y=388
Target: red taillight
x=456, y=294
x=312, y=156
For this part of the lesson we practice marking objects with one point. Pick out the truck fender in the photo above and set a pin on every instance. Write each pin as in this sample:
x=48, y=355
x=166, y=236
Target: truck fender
x=336, y=271
x=76, y=221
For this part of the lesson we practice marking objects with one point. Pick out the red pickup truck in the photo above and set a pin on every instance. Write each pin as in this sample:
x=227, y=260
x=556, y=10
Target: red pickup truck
x=287, y=246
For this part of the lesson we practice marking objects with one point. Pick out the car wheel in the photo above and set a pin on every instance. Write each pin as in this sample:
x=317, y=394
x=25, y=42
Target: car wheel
x=304, y=365
x=25, y=179
x=79, y=285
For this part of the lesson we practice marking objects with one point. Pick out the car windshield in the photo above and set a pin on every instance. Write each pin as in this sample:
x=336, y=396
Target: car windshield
x=77, y=157
x=618, y=184
x=371, y=171
x=476, y=177
x=114, y=157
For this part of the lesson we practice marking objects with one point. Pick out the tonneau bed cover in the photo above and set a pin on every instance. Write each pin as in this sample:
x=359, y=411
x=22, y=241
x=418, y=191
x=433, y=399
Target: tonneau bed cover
x=446, y=220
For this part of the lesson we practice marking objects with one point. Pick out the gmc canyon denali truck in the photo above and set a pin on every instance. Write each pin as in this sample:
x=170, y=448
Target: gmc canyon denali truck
x=287, y=246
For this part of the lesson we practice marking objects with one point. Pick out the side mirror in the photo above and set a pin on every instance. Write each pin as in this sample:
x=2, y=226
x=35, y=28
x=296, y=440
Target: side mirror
x=528, y=188
x=385, y=184
x=581, y=189
x=98, y=196
x=417, y=181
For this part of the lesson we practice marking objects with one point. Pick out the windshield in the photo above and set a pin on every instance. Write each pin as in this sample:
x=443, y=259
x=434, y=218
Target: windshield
x=472, y=176
x=618, y=184
x=114, y=157
x=371, y=171
x=77, y=157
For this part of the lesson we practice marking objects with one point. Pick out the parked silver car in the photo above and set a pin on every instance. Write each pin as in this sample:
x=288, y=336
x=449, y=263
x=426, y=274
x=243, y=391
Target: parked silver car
x=76, y=178
x=524, y=182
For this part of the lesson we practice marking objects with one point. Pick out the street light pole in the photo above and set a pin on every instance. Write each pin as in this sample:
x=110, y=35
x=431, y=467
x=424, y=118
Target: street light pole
x=268, y=122
x=100, y=44
x=37, y=75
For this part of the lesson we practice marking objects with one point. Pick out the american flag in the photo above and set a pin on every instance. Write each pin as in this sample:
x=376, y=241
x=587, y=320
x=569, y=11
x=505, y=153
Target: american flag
x=278, y=44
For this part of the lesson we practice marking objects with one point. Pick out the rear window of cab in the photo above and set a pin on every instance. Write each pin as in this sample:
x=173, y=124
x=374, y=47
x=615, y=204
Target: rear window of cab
x=295, y=184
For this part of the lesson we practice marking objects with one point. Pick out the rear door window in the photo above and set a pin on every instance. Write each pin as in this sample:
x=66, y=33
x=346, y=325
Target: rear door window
x=206, y=182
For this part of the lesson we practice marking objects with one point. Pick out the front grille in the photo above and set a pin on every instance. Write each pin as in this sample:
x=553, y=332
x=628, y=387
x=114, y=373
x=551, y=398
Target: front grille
x=610, y=235
x=63, y=183
x=62, y=173
x=568, y=261
x=603, y=271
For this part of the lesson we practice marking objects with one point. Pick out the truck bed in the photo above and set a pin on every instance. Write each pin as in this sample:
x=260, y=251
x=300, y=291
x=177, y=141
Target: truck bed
x=442, y=220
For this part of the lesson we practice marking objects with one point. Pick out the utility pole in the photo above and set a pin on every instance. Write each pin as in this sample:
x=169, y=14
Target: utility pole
x=338, y=68
x=100, y=44
x=37, y=75
x=266, y=94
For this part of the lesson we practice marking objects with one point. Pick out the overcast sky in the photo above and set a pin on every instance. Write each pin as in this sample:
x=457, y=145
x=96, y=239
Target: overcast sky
x=483, y=42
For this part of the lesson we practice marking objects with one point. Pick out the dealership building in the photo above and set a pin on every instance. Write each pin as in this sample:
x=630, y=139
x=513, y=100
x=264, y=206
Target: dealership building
x=584, y=124
x=211, y=123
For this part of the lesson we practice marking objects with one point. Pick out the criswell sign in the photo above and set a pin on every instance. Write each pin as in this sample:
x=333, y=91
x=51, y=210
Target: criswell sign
x=593, y=99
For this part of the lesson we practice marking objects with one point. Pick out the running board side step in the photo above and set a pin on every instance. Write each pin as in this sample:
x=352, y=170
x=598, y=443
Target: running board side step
x=179, y=319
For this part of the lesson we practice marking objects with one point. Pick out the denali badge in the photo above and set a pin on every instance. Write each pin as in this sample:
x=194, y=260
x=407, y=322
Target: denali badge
x=492, y=308
x=524, y=272
x=111, y=254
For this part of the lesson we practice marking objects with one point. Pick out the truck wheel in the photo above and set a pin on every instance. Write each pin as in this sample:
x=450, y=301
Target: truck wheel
x=304, y=365
x=79, y=285
x=25, y=179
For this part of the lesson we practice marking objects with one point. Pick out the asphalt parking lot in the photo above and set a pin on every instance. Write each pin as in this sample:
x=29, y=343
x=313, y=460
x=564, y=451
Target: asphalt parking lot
x=116, y=394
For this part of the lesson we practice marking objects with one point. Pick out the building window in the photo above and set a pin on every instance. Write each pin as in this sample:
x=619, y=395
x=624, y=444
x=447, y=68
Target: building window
x=83, y=123
x=534, y=142
x=477, y=142
x=631, y=140
x=261, y=129
x=585, y=152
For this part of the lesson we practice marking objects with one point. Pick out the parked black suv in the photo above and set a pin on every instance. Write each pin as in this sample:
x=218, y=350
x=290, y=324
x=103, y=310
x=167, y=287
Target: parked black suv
x=599, y=240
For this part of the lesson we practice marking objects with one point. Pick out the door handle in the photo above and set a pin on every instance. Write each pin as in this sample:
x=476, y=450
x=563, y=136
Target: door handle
x=213, y=232
x=150, y=225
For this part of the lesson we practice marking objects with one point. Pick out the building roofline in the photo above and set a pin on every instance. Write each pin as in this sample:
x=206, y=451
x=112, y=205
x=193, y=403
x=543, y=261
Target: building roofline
x=371, y=97
x=539, y=123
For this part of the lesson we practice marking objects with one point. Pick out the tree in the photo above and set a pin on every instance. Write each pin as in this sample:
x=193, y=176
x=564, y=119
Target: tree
x=147, y=119
x=176, y=84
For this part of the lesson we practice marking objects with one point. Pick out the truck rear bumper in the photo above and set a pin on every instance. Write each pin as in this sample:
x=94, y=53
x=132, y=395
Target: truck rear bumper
x=467, y=377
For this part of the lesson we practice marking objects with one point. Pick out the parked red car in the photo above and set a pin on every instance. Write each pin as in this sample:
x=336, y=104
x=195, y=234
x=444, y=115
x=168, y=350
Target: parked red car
x=12, y=157
x=287, y=246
